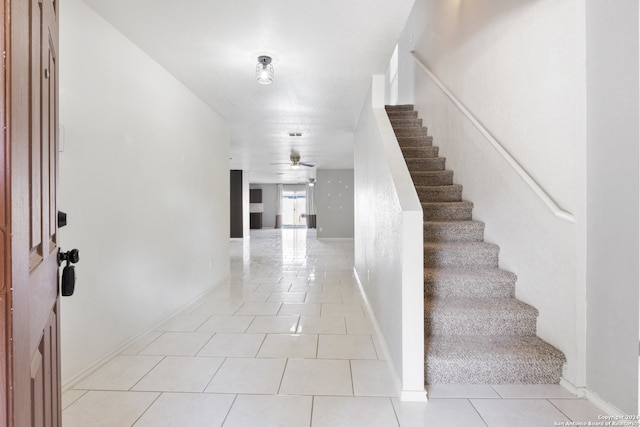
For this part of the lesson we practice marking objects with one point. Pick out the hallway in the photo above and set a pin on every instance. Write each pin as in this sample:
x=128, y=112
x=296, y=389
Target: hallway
x=287, y=341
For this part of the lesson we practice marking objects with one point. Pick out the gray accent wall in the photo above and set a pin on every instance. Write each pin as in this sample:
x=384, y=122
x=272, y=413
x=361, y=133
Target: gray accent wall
x=334, y=203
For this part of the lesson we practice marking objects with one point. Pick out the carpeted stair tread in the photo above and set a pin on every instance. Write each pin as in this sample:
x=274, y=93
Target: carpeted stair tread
x=402, y=114
x=461, y=255
x=475, y=283
x=453, y=231
x=439, y=193
x=447, y=211
x=414, y=141
x=423, y=151
x=464, y=306
x=405, y=122
x=491, y=360
x=426, y=164
x=444, y=177
x=479, y=316
x=411, y=131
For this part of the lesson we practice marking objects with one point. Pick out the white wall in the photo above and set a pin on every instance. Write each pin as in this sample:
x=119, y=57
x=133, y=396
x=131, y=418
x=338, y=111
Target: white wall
x=334, y=203
x=513, y=64
x=612, y=165
x=144, y=178
x=388, y=244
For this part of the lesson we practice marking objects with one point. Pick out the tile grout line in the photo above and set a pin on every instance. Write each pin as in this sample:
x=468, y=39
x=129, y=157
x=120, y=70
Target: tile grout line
x=147, y=409
x=204, y=390
x=205, y=344
x=353, y=387
x=561, y=411
x=477, y=412
x=147, y=373
x=229, y=410
x=313, y=404
x=286, y=364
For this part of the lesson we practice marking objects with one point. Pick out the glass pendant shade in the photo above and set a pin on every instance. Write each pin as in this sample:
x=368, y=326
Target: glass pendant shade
x=264, y=70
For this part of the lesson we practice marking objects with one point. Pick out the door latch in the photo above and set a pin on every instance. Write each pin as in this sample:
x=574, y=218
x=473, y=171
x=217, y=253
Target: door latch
x=69, y=271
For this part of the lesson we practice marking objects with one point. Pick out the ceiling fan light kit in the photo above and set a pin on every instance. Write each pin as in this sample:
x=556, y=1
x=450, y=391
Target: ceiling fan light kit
x=296, y=163
x=264, y=70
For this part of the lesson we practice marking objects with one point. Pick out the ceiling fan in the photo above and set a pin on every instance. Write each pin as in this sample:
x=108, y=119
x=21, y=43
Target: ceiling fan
x=295, y=162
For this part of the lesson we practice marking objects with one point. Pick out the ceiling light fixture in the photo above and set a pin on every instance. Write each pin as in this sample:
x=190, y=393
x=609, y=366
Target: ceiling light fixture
x=264, y=70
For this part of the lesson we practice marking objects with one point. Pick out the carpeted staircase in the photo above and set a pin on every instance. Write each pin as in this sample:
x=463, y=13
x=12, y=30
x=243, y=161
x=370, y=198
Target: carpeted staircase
x=476, y=331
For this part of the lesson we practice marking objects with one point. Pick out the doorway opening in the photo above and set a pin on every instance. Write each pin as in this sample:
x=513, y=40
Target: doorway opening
x=293, y=209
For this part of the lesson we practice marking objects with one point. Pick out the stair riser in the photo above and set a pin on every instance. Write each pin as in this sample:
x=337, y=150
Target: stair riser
x=446, y=212
x=401, y=133
x=492, y=372
x=480, y=325
x=452, y=193
x=402, y=122
x=426, y=165
x=415, y=141
x=398, y=115
x=437, y=178
x=463, y=231
x=469, y=284
x=425, y=151
x=479, y=257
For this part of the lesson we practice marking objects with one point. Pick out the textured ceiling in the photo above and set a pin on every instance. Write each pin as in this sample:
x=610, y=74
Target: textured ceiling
x=324, y=54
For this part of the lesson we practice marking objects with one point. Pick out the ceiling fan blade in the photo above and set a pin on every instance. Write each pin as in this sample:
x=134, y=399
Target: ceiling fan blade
x=283, y=163
x=309, y=165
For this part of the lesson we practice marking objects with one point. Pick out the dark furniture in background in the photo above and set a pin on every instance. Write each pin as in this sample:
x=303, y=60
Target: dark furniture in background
x=255, y=204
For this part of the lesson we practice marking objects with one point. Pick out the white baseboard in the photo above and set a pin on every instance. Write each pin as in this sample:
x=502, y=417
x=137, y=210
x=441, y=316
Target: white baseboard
x=604, y=406
x=67, y=385
x=419, y=396
x=586, y=393
x=577, y=391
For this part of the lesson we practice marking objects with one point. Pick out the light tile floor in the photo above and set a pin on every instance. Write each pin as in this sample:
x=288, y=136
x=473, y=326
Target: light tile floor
x=287, y=341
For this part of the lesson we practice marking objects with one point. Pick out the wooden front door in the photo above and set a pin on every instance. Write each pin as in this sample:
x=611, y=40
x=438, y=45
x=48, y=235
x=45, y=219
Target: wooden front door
x=29, y=309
